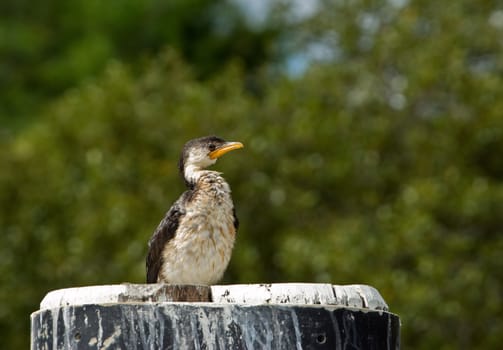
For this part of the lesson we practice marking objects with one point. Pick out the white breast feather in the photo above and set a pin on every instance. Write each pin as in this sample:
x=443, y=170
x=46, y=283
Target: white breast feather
x=202, y=247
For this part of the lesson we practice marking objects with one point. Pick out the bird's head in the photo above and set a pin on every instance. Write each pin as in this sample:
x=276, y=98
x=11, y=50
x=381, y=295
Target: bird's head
x=200, y=153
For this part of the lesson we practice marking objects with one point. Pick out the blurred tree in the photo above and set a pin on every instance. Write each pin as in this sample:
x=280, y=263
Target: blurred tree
x=380, y=165
x=47, y=47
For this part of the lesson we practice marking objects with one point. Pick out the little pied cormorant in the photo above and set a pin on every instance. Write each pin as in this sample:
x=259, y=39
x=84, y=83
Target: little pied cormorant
x=194, y=241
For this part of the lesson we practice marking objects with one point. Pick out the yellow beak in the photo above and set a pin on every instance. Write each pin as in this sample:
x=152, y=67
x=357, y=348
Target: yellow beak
x=226, y=147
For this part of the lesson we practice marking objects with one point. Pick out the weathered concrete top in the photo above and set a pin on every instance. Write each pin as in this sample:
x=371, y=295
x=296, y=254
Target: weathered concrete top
x=357, y=296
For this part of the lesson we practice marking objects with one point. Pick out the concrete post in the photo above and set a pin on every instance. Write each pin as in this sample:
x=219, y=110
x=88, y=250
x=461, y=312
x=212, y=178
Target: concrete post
x=256, y=316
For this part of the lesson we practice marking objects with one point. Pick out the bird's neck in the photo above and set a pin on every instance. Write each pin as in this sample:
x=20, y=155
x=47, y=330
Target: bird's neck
x=192, y=174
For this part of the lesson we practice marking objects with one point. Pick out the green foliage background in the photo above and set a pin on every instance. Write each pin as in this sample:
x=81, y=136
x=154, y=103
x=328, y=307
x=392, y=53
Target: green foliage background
x=381, y=165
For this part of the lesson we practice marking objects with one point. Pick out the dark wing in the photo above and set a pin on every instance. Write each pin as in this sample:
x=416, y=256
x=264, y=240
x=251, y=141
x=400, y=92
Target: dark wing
x=236, y=221
x=164, y=232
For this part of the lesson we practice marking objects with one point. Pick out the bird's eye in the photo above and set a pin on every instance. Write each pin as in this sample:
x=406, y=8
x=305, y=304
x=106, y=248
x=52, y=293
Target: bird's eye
x=212, y=147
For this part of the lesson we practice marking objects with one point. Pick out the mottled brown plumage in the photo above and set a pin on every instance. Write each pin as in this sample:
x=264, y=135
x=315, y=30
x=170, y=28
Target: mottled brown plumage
x=194, y=241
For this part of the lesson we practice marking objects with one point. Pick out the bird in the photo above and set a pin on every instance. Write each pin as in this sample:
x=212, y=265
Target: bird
x=194, y=241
